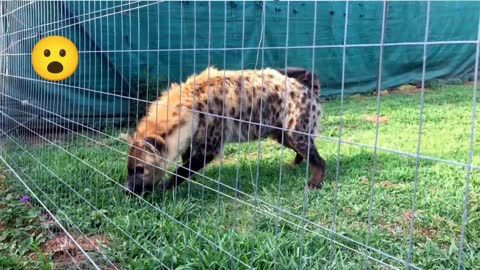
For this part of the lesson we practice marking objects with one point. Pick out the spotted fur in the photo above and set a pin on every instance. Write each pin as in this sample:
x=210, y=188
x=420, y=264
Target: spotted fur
x=217, y=107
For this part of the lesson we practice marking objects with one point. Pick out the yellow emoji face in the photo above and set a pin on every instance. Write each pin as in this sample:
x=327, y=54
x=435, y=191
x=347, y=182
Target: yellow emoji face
x=55, y=58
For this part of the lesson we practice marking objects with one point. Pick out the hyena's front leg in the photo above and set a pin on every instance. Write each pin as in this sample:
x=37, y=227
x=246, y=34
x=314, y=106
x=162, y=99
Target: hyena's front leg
x=298, y=158
x=191, y=164
x=186, y=155
x=305, y=146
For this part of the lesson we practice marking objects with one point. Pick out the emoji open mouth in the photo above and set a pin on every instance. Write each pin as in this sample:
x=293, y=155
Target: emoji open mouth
x=55, y=67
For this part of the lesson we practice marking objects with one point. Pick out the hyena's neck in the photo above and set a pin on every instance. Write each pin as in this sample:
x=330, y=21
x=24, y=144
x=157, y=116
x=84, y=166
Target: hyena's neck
x=172, y=118
x=179, y=141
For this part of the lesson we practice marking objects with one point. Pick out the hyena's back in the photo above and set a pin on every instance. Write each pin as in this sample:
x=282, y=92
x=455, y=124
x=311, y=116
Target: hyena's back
x=252, y=104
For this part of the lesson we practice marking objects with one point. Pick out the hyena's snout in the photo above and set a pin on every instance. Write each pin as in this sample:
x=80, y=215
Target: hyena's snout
x=138, y=185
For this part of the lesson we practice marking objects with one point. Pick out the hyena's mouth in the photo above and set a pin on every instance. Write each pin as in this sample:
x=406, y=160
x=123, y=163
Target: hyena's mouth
x=137, y=186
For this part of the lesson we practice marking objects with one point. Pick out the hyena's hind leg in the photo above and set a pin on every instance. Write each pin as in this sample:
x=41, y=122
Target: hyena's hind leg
x=305, y=146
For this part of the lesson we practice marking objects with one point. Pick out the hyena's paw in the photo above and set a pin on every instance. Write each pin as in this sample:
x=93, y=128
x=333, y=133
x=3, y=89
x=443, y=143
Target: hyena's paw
x=313, y=187
x=316, y=182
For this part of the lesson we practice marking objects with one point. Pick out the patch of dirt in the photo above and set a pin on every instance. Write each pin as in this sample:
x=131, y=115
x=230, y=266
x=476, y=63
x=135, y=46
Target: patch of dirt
x=63, y=249
x=404, y=230
x=373, y=119
x=409, y=89
x=2, y=227
x=386, y=184
x=428, y=233
x=407, y=216
x=2, y=181
x=384, y=93
x=358, y=97
x=391, y=228
x=62, y=243
x=364, y=180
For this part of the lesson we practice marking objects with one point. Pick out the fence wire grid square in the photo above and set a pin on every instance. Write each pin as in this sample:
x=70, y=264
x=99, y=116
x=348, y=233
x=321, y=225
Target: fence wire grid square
x=401, y=189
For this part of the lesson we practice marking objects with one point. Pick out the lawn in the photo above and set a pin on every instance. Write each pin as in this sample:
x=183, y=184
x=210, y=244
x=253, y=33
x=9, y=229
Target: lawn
x=205, y=224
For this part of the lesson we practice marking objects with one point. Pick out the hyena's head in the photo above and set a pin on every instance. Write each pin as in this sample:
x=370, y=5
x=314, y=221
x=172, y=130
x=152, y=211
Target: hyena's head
x=146, y=163
x=306, y=77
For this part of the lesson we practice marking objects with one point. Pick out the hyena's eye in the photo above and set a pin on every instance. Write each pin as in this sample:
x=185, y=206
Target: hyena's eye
x=136, y=170
x=139, y=170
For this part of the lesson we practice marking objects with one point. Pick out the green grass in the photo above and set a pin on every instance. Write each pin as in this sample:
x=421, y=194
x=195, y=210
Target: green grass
x=148, y=233
x=22, y=231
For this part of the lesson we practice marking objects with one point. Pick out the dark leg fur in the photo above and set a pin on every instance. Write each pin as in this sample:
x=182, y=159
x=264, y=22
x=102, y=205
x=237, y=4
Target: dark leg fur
x=317, y=163
x=186, y=155
x=298, y=158
x=191, y=164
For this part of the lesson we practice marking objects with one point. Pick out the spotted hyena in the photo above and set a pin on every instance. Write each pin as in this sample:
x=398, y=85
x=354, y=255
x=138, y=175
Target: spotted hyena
x=195, y=119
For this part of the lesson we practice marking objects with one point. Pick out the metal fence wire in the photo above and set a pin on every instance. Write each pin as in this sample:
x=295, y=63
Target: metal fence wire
x=401, y=184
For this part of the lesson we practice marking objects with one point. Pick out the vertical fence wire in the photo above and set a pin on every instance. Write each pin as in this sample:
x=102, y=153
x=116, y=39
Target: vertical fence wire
x=419, y=143
x=189, y=187
x=261, y=45
x=340, y=131
x=377, y=133
x=242, y=93
x=282, y=142
x=470, y=154
x=309, y=145
x=222, y=151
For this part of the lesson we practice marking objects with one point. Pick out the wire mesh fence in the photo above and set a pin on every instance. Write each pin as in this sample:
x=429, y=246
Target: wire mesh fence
x=246, y=189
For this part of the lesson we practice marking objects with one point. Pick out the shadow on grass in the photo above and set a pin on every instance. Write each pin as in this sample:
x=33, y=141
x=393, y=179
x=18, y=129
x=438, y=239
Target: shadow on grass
x=267, y=175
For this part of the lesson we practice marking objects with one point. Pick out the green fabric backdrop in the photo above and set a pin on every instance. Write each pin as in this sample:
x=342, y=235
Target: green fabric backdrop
x=126, y=49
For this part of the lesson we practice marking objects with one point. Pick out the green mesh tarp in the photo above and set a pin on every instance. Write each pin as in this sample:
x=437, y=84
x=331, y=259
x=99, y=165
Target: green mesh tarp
x=130, y=51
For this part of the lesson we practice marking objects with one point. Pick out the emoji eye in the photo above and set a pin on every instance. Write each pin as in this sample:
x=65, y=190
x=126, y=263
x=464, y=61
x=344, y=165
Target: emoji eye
x=62, y=52
x=46, y=52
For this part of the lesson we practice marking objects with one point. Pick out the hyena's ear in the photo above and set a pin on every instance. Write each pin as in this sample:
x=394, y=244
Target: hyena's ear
x=125, y=137
x=130, y=139
x=306, y=77
x=310, y=79
x=156, y=143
